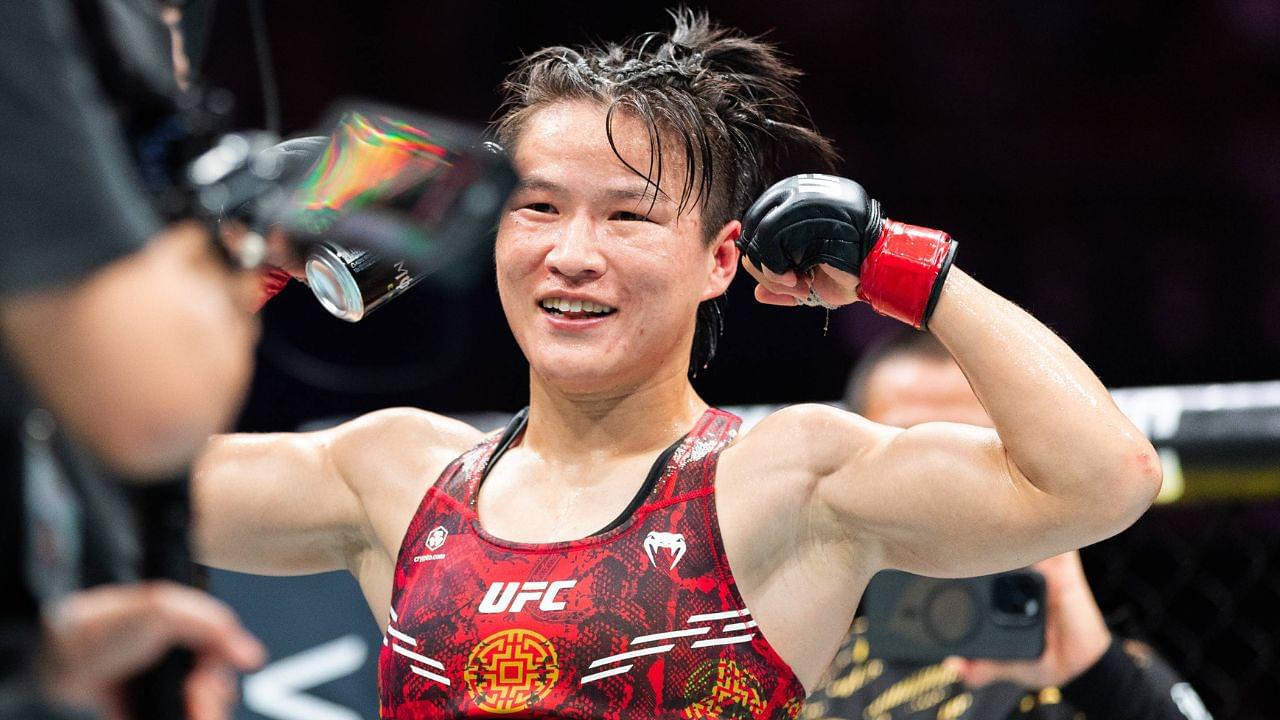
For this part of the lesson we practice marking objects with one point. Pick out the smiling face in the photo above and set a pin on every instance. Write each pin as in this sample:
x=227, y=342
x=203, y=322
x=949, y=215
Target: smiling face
x=599, y=280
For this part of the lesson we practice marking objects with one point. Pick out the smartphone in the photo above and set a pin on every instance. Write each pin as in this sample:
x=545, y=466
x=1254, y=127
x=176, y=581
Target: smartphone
x=918, y=619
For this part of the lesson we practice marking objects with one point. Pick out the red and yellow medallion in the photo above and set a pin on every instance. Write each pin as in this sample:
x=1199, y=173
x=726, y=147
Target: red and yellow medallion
x=716, y=688
x=511, y=670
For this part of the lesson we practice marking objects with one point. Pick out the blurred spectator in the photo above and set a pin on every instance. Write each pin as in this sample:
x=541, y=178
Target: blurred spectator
x=126, y=344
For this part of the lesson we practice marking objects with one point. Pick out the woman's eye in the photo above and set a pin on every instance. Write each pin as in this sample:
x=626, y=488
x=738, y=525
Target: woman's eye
x=541, y=207
x=631, y=217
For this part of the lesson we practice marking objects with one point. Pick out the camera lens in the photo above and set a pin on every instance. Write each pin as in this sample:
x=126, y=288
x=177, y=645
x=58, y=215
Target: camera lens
x=331, y=281
x=1016, y=599
x=950, y=614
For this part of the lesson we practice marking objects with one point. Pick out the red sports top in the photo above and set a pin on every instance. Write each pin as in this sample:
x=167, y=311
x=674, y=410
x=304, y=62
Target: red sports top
x=641, y=620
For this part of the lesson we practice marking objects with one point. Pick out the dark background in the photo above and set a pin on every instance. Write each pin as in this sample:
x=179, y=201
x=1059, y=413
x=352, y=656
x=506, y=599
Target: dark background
x=1113, y=167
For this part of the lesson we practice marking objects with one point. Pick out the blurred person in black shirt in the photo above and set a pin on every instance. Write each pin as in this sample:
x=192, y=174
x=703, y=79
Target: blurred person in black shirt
x=126, y=343
x=1085, y=673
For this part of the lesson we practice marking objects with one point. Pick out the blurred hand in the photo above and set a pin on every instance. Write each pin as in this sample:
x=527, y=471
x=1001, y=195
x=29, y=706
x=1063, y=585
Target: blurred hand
x=145, y=358
x=97, y=640
x=1076, y=636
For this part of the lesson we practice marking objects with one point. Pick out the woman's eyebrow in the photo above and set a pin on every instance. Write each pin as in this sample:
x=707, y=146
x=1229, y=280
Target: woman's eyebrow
x=637, y=192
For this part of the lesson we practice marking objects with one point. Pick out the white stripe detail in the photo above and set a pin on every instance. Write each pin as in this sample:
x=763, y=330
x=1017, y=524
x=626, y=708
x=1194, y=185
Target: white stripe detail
x=724, y=640
x=734, y=627
x=394, y=616
x=604, y=674
x=633, y=654
x=429, y=675
x=420, y=658
x=673, y=634
x=401, y=636
x=720, y=615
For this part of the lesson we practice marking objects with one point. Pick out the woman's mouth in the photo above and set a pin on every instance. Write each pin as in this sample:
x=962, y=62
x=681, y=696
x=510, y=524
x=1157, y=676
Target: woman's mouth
x=575, y=309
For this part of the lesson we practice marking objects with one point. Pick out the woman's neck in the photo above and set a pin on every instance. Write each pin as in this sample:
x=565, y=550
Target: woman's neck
x=581, y=426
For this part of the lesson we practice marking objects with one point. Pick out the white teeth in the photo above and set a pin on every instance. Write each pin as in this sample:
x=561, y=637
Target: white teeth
x=563, y=305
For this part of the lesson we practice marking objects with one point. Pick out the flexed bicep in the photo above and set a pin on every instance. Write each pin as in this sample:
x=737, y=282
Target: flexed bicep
x=937, y=499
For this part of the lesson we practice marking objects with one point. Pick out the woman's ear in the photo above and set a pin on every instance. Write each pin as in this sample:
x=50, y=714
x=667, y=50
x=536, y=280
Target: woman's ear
x=724, y=258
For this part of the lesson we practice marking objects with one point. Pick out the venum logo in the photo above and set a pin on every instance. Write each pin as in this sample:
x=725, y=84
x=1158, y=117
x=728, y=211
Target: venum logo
x=513, y=596
x=673, y=542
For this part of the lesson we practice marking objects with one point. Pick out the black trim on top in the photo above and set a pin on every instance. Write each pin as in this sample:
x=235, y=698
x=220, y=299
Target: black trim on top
x=656, y=471
x=938, y=282
x=509, y=434
x=650, y=481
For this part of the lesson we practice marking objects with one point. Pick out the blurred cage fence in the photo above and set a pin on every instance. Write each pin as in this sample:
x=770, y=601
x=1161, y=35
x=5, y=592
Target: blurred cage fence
x=1198, y=576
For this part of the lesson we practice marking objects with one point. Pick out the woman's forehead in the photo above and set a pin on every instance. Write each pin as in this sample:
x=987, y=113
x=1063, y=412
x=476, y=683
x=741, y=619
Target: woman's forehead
x=572, y=138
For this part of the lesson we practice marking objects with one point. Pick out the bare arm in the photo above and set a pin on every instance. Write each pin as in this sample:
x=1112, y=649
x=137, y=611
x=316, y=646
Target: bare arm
x=298, y=503
x=142, y=360
x=1063, y=468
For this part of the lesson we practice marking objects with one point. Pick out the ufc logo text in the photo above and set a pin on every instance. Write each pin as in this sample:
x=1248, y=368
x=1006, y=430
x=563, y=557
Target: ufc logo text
x=513, y=596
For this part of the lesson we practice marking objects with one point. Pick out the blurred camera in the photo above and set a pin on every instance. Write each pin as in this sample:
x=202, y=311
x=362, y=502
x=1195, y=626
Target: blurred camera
x=382, y=199
x=918, y=619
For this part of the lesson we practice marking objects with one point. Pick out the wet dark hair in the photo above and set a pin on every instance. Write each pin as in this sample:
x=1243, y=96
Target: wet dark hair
x=727, y=100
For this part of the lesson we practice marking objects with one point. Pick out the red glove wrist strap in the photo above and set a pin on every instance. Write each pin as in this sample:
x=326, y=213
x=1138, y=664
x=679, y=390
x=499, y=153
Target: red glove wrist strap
x=902, y=276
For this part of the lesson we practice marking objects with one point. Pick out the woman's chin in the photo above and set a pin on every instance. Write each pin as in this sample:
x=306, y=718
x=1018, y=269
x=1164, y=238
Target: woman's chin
x=577, y=375
x=594, y=378
x=594, y=372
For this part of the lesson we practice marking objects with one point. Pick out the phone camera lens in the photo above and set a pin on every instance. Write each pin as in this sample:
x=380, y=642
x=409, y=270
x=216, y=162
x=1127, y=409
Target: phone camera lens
x=951, y=614
x=1016, y=599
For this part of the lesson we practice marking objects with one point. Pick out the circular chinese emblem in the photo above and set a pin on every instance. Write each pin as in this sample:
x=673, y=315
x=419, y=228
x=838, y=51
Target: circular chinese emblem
x=511, y=670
